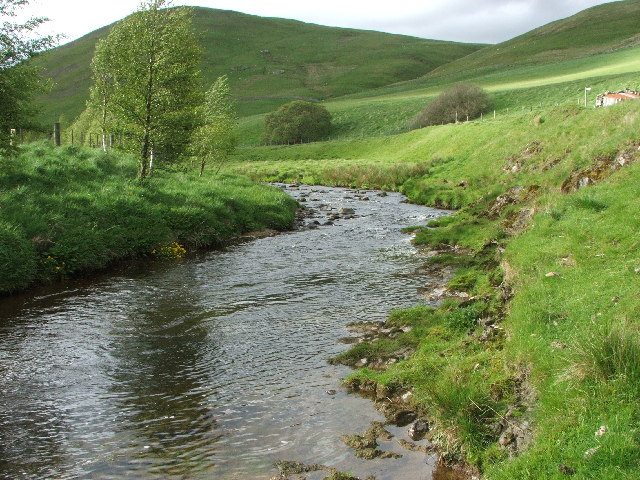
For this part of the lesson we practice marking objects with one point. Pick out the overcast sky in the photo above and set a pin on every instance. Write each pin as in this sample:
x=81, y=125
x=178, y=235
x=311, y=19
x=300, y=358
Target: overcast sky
x=485, y=21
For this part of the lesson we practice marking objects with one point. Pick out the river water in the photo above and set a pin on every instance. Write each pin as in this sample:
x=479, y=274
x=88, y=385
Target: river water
x=213, y=366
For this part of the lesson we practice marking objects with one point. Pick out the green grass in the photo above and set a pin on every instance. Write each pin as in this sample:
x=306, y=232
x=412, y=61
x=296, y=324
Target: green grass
x=70, y=210
x=454, y=165
x=592, y=308
x=531, y=88
x=597, y=30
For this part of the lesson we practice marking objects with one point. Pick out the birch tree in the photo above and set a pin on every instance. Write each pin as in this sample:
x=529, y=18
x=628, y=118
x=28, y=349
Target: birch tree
x=146, y=82
x=214, y=140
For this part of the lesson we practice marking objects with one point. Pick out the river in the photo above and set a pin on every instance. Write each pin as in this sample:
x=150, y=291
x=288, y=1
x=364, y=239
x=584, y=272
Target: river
x=211, y=366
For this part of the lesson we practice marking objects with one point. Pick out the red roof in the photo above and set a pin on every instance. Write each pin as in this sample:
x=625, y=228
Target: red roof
x=622, y=96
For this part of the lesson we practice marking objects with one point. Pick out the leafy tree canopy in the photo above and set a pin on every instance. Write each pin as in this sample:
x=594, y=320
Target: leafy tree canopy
x=297, y=122
x=146, y=82
x=214, y=139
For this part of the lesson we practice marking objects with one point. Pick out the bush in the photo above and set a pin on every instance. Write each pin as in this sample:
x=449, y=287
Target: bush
x=297, y=122
x=458, y=102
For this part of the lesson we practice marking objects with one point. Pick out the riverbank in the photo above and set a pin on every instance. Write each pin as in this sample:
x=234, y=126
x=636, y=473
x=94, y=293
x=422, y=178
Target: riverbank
x=67, y=211
x=528, y=368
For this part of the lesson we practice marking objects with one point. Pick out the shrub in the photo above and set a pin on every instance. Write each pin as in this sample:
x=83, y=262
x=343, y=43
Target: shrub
x=458, y=102
x=297, y=122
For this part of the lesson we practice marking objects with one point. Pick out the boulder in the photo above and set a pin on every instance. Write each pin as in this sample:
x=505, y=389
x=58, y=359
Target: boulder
x=418, y=430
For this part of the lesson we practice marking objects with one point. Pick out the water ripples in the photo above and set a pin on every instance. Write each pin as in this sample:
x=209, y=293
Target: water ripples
x=210, y=368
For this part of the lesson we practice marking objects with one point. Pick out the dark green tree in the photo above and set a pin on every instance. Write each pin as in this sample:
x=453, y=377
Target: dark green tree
x=146, y=83
x=454, y=104
x=297, y=122
x=19, y=81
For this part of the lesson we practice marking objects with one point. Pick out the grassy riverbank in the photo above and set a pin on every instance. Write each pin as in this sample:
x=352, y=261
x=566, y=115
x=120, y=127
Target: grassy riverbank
x=71, y=210
x=529, y=368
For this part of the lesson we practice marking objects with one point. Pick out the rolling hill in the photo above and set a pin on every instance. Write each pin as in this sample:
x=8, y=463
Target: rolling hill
x=602, y=29
x=268, y=60
x=549, y=66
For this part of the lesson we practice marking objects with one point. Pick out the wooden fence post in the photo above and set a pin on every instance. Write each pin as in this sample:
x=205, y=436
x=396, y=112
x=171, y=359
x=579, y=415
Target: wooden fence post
x=56, y=134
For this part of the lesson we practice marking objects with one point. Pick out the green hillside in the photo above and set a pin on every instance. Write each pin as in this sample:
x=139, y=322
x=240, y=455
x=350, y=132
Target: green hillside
x=546, y=67
x=600, y=29
x=548, y=54
x=268, y=61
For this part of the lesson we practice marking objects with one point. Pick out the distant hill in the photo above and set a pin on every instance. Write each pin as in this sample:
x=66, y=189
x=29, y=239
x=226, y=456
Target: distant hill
x=600, y=29
x=268, y=60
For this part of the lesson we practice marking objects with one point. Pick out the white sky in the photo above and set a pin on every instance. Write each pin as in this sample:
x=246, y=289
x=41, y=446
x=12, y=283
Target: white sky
x=485, y=21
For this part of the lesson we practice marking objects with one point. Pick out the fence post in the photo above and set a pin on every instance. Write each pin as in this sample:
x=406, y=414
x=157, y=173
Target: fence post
x=72, y=139
x=56, y=134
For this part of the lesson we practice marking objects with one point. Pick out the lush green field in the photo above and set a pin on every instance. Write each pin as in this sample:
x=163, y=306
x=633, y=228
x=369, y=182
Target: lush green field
x=70, y=210
x=388, y=111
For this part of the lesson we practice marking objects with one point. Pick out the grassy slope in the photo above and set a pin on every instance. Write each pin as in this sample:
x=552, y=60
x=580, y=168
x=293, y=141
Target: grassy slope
x=304, y=53
x=597, y=30
x=388, y=111
x=69, y=210
x=565, y=358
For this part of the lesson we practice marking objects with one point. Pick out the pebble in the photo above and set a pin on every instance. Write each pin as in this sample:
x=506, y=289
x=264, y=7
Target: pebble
x=601, y=431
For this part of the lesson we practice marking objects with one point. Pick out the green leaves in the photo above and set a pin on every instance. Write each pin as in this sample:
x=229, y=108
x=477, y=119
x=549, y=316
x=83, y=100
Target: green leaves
x=297, y=122
x=19, y=82
x=214, y=139
x=146, y=75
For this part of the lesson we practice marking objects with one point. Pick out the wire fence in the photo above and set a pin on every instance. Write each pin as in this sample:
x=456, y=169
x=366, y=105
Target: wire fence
x=68, y=136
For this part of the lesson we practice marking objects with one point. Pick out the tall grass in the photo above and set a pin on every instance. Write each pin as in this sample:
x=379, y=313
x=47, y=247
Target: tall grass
x=69, y=210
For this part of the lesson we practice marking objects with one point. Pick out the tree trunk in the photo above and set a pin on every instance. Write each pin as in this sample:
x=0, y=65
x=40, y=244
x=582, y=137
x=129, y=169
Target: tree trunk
x=143, y=164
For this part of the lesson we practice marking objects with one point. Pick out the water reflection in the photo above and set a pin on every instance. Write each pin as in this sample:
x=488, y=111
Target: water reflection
x=161, y=387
